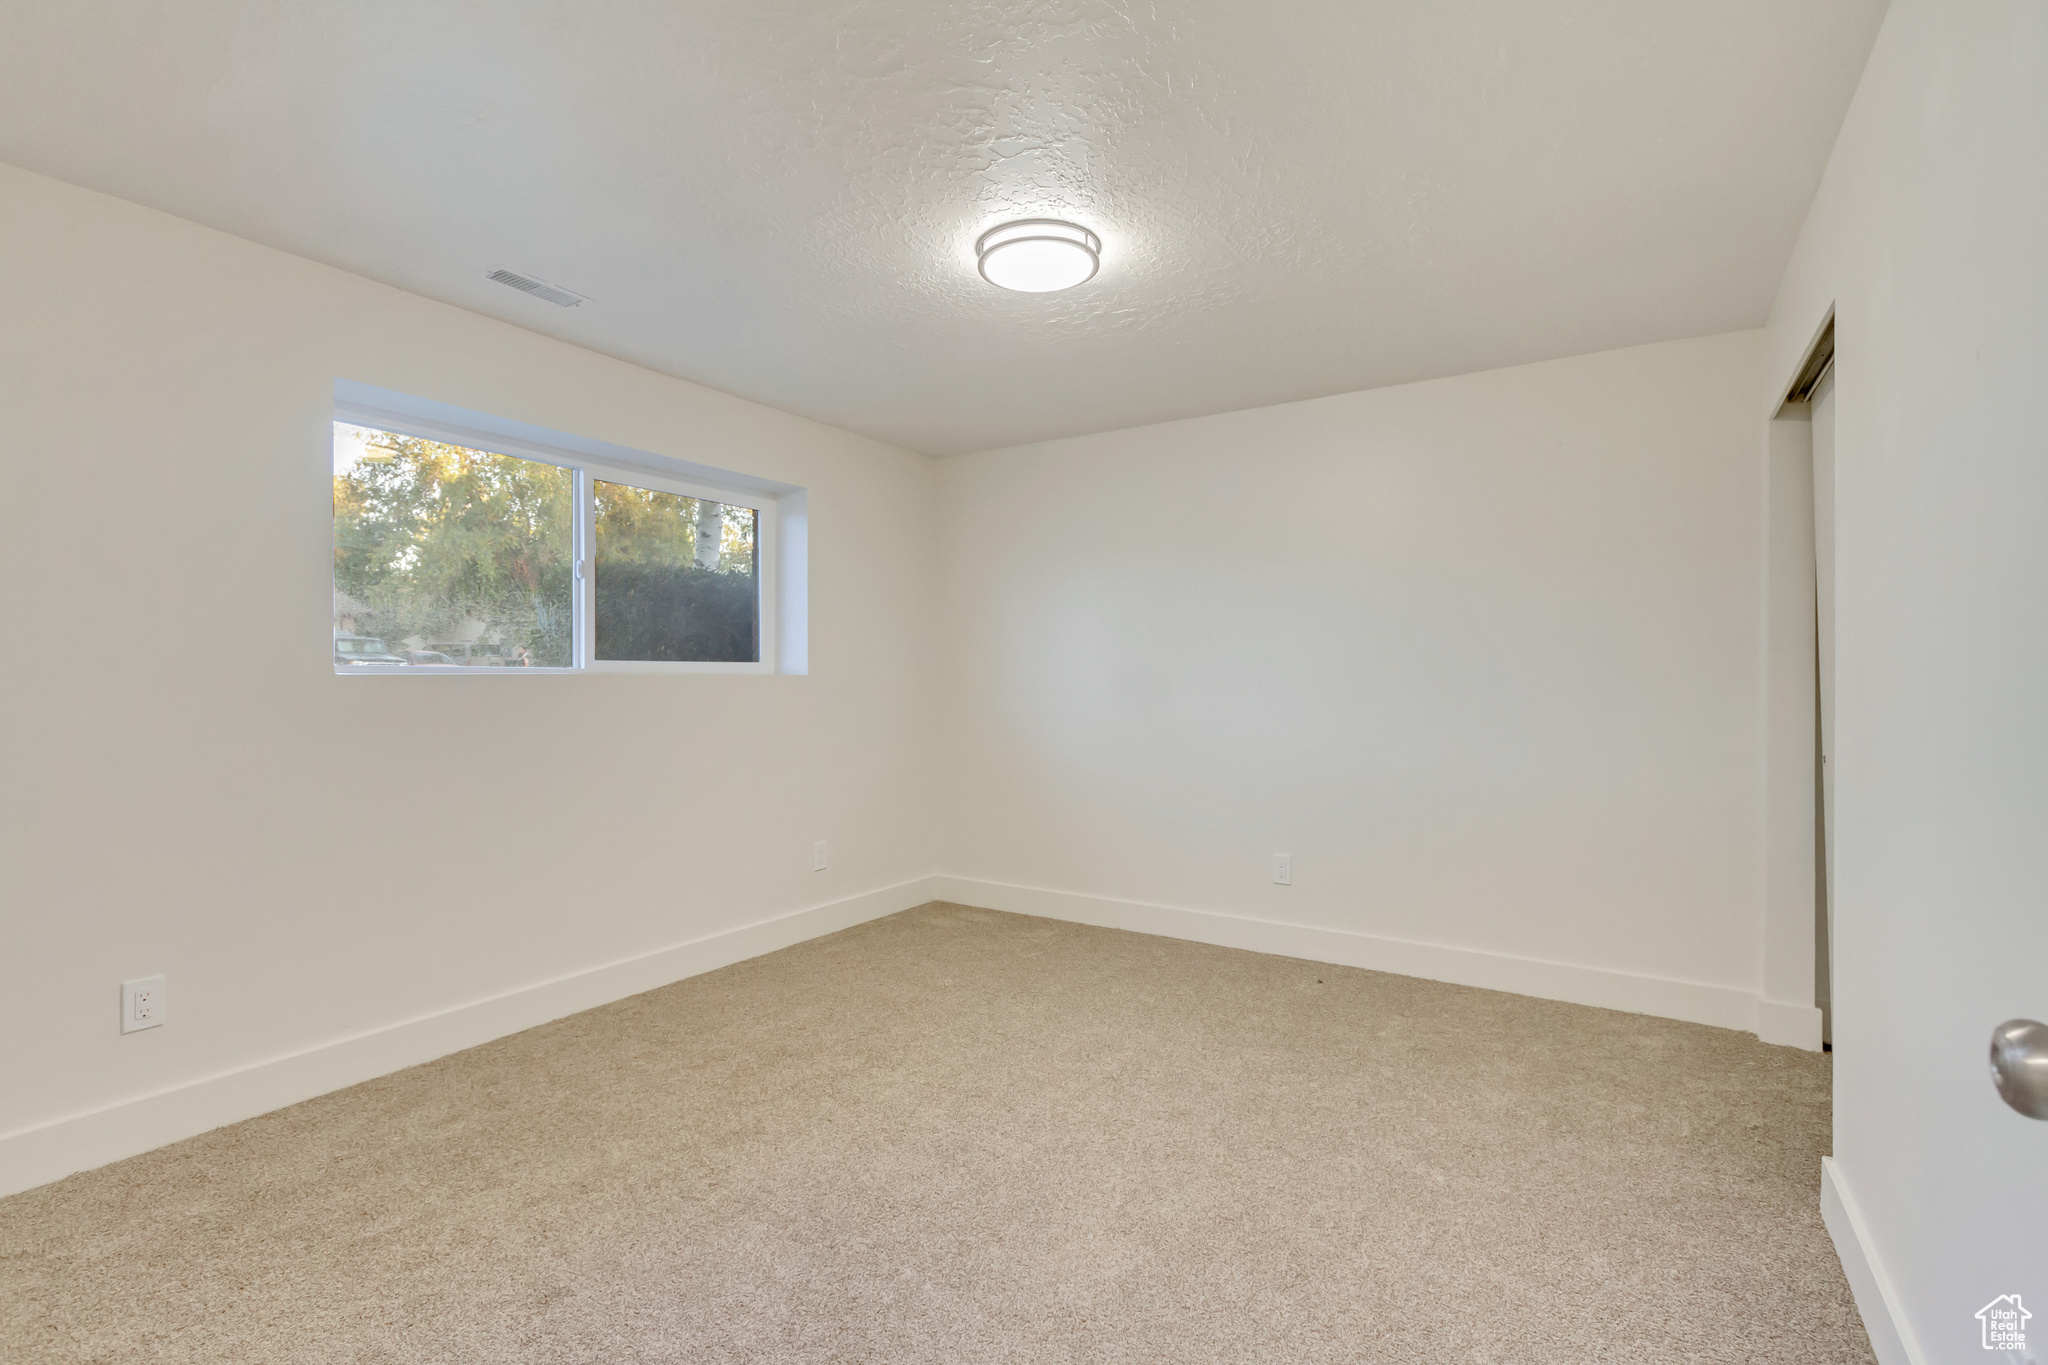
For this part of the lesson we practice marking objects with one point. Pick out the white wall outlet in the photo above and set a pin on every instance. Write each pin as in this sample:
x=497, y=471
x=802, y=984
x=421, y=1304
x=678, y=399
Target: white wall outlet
x=142, y=1003
x=821, y=856
x=1283, y=869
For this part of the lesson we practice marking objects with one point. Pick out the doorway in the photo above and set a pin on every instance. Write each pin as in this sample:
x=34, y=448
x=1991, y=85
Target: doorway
x=1800, y=927
x=1822, y=405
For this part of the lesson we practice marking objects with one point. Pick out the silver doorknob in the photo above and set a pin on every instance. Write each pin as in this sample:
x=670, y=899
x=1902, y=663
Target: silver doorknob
x=2019, y=1065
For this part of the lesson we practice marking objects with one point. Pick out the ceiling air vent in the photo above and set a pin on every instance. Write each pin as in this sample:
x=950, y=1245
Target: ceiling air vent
x=540, y=289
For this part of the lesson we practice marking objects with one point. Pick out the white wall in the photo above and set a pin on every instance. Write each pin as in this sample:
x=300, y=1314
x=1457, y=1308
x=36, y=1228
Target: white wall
x=1483, y=654
x=1927, y=238
x=310, y=858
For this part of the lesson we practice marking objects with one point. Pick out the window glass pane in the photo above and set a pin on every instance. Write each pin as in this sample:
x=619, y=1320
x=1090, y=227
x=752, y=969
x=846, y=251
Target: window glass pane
x=675, y=578
x=448, y=556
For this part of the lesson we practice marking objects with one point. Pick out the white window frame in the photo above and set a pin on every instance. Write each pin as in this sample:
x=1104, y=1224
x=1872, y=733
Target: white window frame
x=584, y=470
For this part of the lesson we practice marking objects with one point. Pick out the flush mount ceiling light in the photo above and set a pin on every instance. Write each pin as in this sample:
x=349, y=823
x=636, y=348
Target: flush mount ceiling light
x=1039, y=255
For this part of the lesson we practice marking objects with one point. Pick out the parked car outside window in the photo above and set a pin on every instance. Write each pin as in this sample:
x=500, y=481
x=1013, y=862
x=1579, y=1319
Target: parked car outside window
x=362, y=649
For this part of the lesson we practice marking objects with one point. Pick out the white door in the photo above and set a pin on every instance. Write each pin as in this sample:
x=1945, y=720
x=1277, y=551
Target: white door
x=1824, y=620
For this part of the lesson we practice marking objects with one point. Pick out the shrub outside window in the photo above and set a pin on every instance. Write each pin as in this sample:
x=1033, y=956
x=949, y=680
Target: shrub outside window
x=676, y=577
x=451, y=557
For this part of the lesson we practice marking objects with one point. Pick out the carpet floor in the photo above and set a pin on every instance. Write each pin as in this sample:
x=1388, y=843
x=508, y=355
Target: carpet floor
x=960, y=1136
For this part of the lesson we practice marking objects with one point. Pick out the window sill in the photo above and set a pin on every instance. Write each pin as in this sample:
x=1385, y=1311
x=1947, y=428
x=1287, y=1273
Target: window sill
x=603, y=666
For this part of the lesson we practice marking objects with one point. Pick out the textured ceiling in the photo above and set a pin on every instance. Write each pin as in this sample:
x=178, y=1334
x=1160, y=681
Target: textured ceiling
x=780, y=199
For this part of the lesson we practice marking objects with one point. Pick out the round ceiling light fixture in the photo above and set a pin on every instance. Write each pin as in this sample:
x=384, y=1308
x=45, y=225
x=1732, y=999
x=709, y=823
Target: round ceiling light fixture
x=1039, y=255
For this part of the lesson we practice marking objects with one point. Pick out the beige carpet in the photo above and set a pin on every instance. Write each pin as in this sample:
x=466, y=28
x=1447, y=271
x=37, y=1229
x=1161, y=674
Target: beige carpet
x=960, y=1136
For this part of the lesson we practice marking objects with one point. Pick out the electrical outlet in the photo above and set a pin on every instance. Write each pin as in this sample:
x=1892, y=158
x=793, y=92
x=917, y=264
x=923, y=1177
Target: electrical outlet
x=1283, y=869
x=142, y=1003
x=821, y=856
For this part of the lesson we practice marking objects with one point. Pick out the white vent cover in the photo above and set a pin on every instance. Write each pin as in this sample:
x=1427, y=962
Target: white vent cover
x=540, y=289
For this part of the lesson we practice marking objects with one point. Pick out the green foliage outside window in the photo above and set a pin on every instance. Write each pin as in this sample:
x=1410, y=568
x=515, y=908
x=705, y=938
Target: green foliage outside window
x=438, y=543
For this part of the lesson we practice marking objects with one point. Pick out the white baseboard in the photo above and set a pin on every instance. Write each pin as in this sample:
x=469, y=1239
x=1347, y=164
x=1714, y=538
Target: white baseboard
x=1890, y=1335
x=1789, y=1025
x=49, y=1151
x=1694, y=1001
